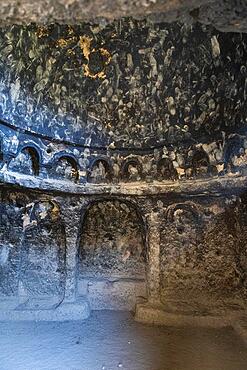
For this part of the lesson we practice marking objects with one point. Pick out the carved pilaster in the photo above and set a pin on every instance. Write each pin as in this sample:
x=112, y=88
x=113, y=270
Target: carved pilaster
x=153, y=247
x=71, y=219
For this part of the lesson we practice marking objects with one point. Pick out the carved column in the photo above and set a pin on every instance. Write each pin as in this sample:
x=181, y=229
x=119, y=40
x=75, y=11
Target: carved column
x=71, y=219
x=153, y=268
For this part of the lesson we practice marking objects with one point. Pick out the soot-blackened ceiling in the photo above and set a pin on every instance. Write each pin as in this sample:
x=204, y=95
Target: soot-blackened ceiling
x=126, y=84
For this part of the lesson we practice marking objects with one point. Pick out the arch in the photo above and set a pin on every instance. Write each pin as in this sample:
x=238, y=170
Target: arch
x=50, y=207
x=120, y=220
x=65, y=167
x=33, y=146
x=35, y=159
x=11, y=254
x=100, y=171
x=200, y=163
x=132, y=170
x=131, y=204
x=27, y=160
x=166, y=170
x=186, y=206
x=232, y=149
x=185, y=216
x=112, y=254
x=63, y=154
x=44, y=250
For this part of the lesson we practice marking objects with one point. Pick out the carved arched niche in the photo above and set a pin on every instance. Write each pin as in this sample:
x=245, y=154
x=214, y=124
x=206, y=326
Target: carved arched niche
x=112, y=241
x=132, y=170
x=66, y=168
x=180, y=249
x=12, y=207
x=200, y=163
x=166, y=170
x=234, y=154
x=184, y=217
x=43, y=262
x=27, y=161
x=100, y=172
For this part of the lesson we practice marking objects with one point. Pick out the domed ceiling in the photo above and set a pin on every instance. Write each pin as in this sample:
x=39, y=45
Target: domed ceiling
x=77, y=75
x=129, y=83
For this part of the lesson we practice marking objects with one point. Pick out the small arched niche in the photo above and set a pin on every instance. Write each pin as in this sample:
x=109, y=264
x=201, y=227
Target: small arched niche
x=100, y=172
x=200, y=163
x=185, y=217
x=27, y=161
x=66, y=168
x=166, y=170
x=233, y=152
x=181, y=249
x=132, y=170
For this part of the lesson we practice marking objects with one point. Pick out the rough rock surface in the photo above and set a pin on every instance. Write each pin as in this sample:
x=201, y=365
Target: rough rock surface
x=32, y=251
x=117, y=248
x=227, y=15
x=202, y=248
x=202, y=261
x=131, y=84
x=133, y=133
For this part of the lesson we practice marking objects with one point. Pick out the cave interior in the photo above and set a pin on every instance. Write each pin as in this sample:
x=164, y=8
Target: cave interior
x=123, y=181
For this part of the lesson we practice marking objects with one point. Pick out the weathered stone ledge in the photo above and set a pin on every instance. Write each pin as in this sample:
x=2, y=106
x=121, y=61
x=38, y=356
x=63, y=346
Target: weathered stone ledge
x=157, y=315
x=214, y=186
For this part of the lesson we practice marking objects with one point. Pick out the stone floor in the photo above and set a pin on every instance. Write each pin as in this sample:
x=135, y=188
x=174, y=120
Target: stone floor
x=111, y=340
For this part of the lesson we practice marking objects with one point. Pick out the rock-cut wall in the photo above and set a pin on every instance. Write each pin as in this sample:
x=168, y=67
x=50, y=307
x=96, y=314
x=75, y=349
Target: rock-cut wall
x=133, y=134
x=202, y=243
